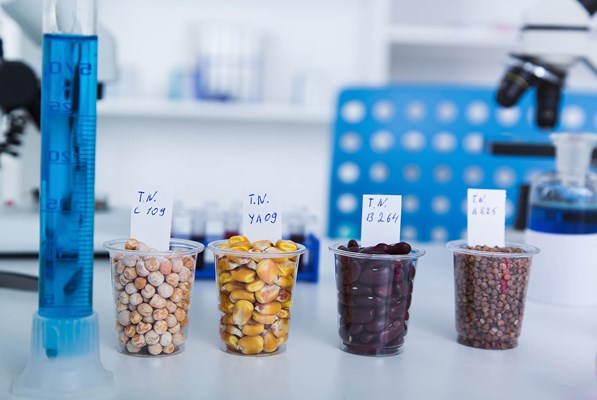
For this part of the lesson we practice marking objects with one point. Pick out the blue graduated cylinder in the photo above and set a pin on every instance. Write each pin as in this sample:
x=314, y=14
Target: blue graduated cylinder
x=429, y=144
x=69, y=92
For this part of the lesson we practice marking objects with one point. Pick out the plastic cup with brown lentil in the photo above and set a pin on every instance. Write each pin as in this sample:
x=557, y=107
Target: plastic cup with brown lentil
x=490, y=290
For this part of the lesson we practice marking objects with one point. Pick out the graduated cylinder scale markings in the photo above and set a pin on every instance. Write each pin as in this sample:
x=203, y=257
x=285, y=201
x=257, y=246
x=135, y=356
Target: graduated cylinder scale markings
x=69, y=91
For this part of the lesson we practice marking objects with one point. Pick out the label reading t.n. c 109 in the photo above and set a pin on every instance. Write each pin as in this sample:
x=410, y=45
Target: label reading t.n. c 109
x=151, y=216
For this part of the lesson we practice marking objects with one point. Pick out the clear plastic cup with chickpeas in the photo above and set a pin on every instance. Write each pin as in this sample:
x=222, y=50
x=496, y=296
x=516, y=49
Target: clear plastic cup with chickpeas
x=152, y=295
x=255, y=283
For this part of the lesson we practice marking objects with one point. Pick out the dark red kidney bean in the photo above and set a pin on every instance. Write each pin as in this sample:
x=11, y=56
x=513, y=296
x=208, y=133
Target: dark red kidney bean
x=398, y=341
x=383, y=290
x=397, y=274
x=353, y=243
x=399, y=248
x=408, y=301
x=412, y=272
x=365, y=349
x=377, y=325
x=405, y=288
x=369, y=301
x=358, y=290
x=344, y=334
x=367, y=337
x=345, y=299
x=406, y=316
x=375, y=276
x=397, y=311
x=355, y=271
x=355, y=329
x=358, y=315
x=343, y=248
x=354, y=249
x=391, y=332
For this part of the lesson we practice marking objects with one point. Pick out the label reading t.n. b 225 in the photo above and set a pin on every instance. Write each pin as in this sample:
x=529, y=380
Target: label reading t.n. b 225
x=261, y=217
x=381, y=219
x=151, y=216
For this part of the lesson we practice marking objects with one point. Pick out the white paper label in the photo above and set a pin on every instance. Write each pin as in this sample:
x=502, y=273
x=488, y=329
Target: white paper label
x=486, y=217
x=151, y=216
x=380, y=222
x=262, y=219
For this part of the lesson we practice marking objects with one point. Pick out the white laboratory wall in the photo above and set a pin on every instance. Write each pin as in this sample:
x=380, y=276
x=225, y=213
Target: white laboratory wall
x=302, y=37
x=214, y=161
x=217, y=159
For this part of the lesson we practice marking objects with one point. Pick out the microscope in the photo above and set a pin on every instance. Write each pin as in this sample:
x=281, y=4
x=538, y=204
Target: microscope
x=20, y=92
x=555, y=36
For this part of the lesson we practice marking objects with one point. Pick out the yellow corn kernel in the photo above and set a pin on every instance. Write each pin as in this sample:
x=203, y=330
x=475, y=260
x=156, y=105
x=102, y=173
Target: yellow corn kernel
x=229, y=340
x=283, y=314
x=232, y=286
x=270, y=342
x=226, y=319
x=254, y=286
x=252, y=264
x=284, y=281
x=275, y=250
x=254, y=258
x=280, y=327
x=224, y=264
x=268, y=271
x=287, y=268
x=263, y=319
x=262, y=244
x=271, y=308
x=267, y=293
x=242, y=312
x=226, y=306
x=251, y=344
x=240, y=246
x=224, y=278
x=286, y=245
x=284, y=296
x=287, y=304
x=241, y=295
x=237, y=239
x=234, y=330
x=253, y=329
x=224, y=246
x=243, y=274
x=282, y=339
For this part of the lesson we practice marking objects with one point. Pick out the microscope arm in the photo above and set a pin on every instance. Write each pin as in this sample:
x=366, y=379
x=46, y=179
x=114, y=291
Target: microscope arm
x=28, y=14
x=554, y=37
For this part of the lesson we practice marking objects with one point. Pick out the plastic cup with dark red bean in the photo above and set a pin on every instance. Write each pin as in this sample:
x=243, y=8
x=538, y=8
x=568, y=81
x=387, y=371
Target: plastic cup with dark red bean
x=375, y=286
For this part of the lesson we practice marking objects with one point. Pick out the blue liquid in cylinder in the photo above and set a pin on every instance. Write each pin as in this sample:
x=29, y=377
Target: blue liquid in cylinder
x=554, y=218
x=68, y=110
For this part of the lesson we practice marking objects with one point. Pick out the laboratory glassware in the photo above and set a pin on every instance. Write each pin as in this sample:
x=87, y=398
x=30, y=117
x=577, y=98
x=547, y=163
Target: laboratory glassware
x=64, y=360
x=563, y=223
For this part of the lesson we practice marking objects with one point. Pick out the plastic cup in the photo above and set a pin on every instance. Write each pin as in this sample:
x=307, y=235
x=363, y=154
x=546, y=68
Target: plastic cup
x=490, y=289
x=152, y=294
x=255, y=295
x=374, y=297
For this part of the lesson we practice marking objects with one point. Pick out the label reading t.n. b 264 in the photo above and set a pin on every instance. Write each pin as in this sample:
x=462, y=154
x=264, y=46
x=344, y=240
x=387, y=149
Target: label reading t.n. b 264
x=261, y=217
x=151, y=216
x=381, y=219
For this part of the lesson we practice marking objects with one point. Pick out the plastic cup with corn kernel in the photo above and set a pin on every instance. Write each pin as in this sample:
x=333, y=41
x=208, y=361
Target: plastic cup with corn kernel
x=255, y=283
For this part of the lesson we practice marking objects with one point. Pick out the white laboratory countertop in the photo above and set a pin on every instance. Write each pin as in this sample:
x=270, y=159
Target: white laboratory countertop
x=555, y=358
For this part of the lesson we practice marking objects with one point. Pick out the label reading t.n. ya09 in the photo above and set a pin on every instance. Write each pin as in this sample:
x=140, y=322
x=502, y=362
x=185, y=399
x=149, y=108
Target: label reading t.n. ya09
x=151, y=216
x=261, y=217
